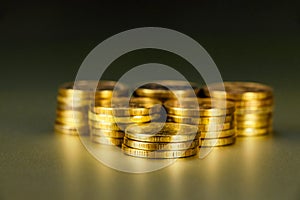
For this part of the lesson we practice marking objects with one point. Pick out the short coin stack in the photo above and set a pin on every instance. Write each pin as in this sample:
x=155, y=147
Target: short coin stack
x=161, y=140
x=254, y=105
x=214, y=119
x=168, y=89
x=73, y=101
x=109, y=118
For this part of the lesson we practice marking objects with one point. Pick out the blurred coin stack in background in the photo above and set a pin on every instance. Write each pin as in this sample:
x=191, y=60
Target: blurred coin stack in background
x=109, y=118
x=254, y=105
x=161, y=140
x=168, y=89
x=214, y=119
x=73, y=101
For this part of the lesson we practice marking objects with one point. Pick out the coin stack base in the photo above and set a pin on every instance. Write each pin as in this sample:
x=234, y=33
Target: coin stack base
x=161, y=141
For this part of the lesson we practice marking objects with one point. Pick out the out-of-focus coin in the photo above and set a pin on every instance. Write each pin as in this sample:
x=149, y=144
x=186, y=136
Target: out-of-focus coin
x=162, y=132
x=253, y=131
x=216, y=127
x=217, y=142
x=107, y=140
x=125, y=120
x=239, y=91
x=254, y=117
x=159, y=154
x=252, y=124
x=166, y=89
x=125, y=106
x=201, y=120
x=161, y=146
x=255, y=103
x=217, y=134
x=261, y=110
x=108, y=126
x=200, y=107
x=106, y=133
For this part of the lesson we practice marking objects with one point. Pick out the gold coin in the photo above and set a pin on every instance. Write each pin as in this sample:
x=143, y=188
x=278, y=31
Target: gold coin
x=78, y=89
x=69, y=130
x=217, y=134
x=199, y=107
x=107, y=140
x=70, y=114
x=160, y=146
x=106, y=133
x=161, y=132
x=166, y=89
x=217, y=142
x=261, y=110
x=239, y=91
x=253, y=117
x=254, y=131
x=125, y=120
x=215, y=127
x=201, y=120
x=252, y=124
x=159, y=154
x=72, y=103
x=125, y=106
x=255, y=103
x=71, y=121
x=108, y=126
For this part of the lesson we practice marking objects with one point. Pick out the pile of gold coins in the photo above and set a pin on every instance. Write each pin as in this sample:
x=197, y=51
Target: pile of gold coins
x=254, y=105
x=142, y=128
x=213, y=118
x=109, y=118
x=161, y=140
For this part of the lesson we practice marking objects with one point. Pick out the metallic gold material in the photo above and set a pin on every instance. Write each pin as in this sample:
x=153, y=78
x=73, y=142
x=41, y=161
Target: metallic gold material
x=161, y=146
x=239, y=91
x=106, y=133
x=217, y=142
x=107, y=140
x=201, y=107
x=201, y=120
x=159, y=154
x=217, y=134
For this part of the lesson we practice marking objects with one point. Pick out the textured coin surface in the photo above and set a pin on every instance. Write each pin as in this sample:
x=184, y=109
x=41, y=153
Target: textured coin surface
x=201, y=120
x=159, y=154
x=107, y=140
x=160, y=146
x=217, y=142
x=217, y=134
x=162, y=132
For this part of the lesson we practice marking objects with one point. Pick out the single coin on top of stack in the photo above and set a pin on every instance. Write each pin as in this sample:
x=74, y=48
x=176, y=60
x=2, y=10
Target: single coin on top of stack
x=214, y=119
x=73, y=101
x=109, y=118
x=168, y=89
x=254, y=105
x=161, y=140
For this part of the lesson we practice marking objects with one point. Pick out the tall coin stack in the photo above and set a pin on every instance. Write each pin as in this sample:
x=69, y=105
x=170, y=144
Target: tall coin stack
x=168, y=89
x=109, y=118
x=214, y=119
x=254, y=105
x=73, y=101
x=72, y=104
x=161, y=140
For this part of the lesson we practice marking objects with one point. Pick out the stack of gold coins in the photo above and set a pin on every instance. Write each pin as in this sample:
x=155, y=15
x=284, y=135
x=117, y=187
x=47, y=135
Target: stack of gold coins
x=214, y=119
x=109, y=118
x=168, y=89
x=161, y=140
x=73, y=101
x=254, y=105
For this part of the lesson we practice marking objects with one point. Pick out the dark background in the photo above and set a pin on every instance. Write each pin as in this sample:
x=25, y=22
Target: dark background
x=42, y=44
